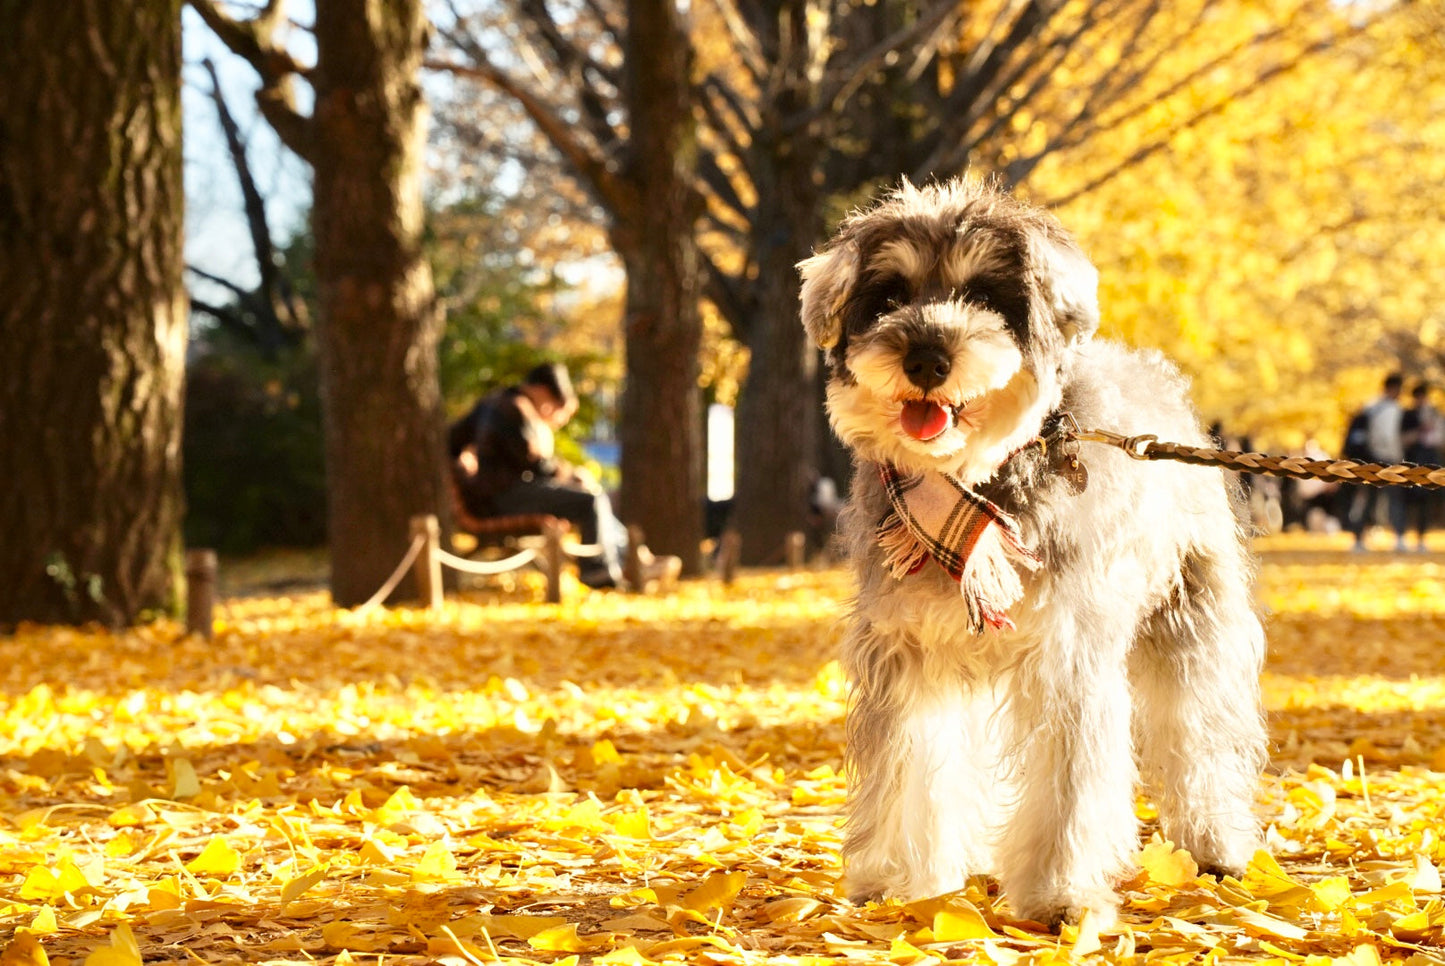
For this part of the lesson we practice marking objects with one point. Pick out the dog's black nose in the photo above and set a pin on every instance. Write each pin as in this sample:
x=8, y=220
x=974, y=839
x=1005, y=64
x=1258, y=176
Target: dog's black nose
x=926, y=366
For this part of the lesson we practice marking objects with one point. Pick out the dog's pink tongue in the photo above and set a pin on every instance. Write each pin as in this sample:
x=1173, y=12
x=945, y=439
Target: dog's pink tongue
x=923, y=419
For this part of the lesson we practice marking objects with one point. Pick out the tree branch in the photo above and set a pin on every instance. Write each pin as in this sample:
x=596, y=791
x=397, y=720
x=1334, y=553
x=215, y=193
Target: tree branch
x=254, y=42
x=592, y=169
x=956, y=144
x=1148, y=150
x=835, y=97
x=574, y=64
x=745, y=42
x=725, y=292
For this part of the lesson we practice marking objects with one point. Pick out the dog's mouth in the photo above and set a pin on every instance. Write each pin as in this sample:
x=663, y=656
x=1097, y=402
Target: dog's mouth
x=927, y=419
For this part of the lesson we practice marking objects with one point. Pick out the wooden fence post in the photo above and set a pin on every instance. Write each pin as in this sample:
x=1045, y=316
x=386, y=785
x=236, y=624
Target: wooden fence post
x=797, y=552
x=552, y=560
x=428, y=566
x=632, y=569
x=200, y=592
x=728, y=555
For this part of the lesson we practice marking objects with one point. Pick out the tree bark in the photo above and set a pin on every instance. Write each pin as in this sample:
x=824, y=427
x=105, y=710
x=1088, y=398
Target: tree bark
x=778, y=414
x=661, y=424
x=378, y=323
x=92, y=309
x=778, y=409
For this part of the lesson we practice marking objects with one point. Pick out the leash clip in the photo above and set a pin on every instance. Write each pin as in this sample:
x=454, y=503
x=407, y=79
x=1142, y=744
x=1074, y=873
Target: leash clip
x=1136, y=446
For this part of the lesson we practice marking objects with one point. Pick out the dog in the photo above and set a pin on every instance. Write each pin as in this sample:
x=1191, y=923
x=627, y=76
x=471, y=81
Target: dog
x=1039, y=624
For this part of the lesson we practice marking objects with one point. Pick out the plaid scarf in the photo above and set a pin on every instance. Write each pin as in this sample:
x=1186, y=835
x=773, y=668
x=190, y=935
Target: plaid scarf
x=934, y=515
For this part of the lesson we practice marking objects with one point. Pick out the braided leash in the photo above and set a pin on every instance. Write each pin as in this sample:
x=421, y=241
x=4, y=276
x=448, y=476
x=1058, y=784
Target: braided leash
x=1297, y=467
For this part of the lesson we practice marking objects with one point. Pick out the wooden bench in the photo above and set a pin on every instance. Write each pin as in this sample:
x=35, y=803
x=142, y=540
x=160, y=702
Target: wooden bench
x=538, y=538
x=531, y=539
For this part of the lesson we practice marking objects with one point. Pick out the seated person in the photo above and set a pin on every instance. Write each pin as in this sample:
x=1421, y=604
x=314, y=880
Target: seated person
x=503, y=463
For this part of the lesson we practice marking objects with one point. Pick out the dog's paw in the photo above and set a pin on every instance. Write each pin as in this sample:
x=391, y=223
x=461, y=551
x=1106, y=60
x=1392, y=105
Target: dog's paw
x=861, y=897
x=904, y=885
x=1220, y=870
x=863, y=889
x=1103, y=909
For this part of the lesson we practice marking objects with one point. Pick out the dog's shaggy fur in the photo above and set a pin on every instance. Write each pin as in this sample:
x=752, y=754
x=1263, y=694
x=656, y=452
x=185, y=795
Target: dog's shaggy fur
x=1136, y=647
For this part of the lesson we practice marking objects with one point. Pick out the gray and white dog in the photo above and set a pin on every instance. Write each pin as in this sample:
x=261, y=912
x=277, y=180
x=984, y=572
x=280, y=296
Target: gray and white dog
x=1025, y=642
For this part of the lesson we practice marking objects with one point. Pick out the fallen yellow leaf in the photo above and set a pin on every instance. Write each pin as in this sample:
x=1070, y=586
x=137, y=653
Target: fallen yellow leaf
x=122, y=951
x=24, y=949
x=44, y=922
x=1168, y=866
x=217, y=858
x=564, y=939
x=960, y=920
x=718, y=890
x=297, y=886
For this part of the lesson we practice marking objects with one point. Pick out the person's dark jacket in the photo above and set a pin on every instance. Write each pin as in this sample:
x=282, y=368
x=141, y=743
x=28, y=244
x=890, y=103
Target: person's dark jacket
x=508, y=445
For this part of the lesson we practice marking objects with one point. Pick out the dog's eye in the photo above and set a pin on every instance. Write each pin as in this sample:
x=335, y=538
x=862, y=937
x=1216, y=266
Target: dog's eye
x=997, y=297
x=983, y=296
x=884, y=296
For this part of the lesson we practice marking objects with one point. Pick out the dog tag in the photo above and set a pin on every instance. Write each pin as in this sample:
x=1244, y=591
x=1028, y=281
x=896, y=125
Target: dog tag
x=1074, y=472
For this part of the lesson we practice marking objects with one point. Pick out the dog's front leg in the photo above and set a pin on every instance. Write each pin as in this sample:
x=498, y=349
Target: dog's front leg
x=1074, y=831
x=921, y=772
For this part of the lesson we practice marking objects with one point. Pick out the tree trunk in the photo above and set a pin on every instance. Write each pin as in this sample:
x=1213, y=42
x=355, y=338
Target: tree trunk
x=92, y=309
x=379, y=322
x=661, y=425
x=778, y=415
x=778, y=412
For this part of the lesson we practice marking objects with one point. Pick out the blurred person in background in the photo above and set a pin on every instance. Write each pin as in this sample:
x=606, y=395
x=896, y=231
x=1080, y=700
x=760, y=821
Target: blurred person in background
x=1422, y=433
x=504, y=463
x=1380, y=421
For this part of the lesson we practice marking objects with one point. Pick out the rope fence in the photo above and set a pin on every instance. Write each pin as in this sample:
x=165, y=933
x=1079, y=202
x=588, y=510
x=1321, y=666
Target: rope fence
x=425, y=557
x=407, y=560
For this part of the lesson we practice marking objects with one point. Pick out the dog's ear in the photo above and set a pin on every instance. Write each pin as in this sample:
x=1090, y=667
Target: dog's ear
x=1068, y=284
x=828, y=278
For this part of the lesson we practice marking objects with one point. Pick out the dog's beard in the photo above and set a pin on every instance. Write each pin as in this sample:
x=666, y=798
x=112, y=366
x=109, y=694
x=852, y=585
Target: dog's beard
x=992, y=404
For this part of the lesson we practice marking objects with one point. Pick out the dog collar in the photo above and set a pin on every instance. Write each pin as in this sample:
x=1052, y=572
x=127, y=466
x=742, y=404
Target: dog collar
x=1057, y=442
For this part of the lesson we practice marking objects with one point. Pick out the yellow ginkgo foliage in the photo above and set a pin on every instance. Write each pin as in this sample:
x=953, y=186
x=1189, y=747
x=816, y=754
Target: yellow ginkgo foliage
x=635, y=780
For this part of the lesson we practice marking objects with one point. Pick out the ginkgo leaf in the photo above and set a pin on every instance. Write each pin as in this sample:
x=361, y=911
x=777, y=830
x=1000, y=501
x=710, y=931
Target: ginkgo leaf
x=1167, y=865
x=24, y=949
x=794, y=909
x=219, y=857
x=717, y=891
x=122, y=951
x=1426, y=876
x=294, y=888
x=564, y=939
x=1086, y=939
x=374, y=853
x=604, y=753
x=633, y=824
x=347, y=936
x=44, y=922
x=45, y=883
x=960, y=920
x=1332, y=893
x=436, y=864
x=136, y=813
x=623, y=956
x=904, y=953
x=515, y=927
x=1263, y=924
x=184, y=782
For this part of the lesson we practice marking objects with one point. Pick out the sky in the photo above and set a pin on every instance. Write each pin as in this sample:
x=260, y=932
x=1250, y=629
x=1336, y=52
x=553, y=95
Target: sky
x=217, y=240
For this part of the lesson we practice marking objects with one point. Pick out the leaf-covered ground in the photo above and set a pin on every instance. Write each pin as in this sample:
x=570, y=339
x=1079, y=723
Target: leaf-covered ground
x=629, y=780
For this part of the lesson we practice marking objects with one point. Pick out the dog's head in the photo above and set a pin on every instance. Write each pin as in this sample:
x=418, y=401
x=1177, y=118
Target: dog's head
x=949, y=314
